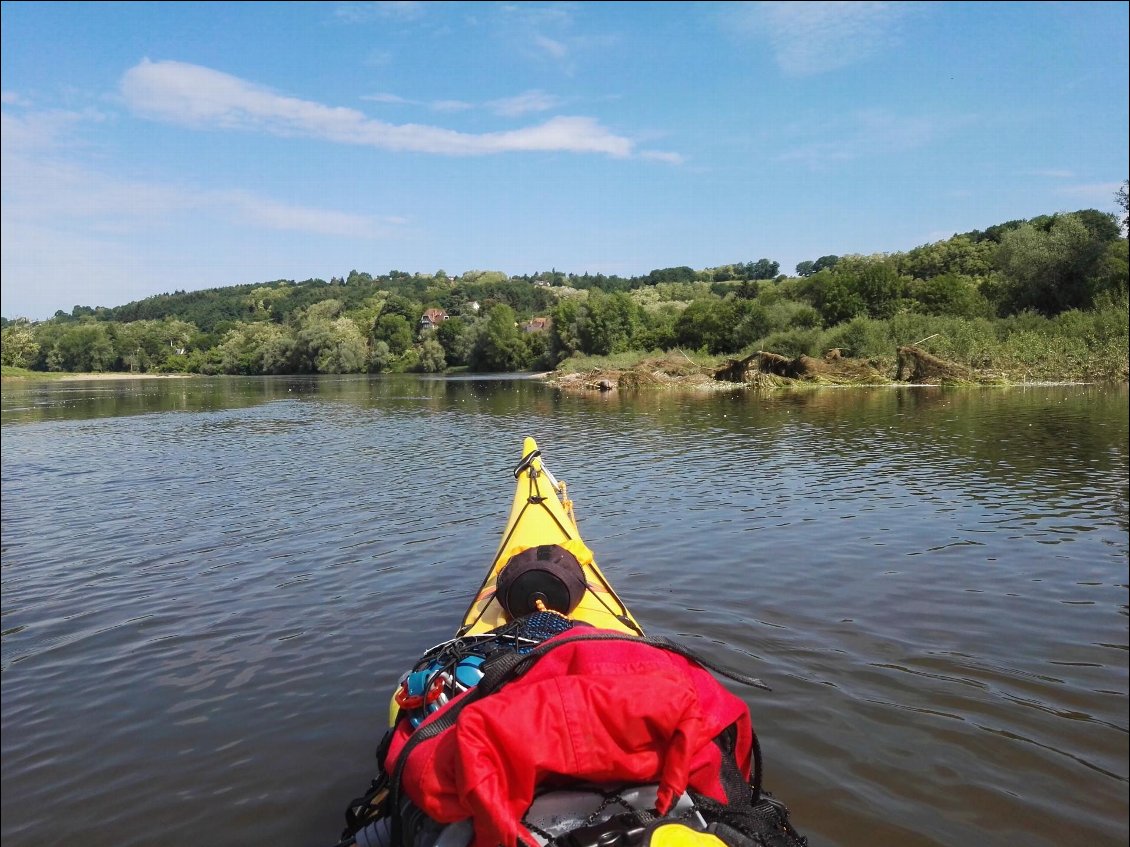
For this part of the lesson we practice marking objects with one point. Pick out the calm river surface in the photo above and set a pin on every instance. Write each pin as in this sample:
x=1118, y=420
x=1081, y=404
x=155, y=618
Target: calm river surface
x=210, y=587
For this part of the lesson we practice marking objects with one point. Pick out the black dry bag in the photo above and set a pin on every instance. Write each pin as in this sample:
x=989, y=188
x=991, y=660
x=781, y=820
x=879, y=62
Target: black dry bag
x=547, y=573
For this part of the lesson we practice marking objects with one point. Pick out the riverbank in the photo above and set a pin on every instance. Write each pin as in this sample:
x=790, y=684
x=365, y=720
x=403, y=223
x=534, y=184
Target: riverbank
x=23, y=374
x=764, y=370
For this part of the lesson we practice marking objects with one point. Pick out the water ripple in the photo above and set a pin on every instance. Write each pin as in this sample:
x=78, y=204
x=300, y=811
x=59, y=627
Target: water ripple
x=209, y=590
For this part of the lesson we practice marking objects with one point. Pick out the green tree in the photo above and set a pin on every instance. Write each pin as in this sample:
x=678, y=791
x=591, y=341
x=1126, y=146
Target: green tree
x=657, y=327
x=18, y=346
x=1053, y=270
x=258, y=348
x=334, y=347
x=958, y=255
x=431, y=356
x=762, y=269
x=395, y=331
x=455, y=338
x=381, y=358
x=499, y=346
x=707, y=325
x=1123, y=200
x=834, y=298
x=608, y=323
x=565, y=330
x=877, y=282
x=951, y=294
x=82, y=347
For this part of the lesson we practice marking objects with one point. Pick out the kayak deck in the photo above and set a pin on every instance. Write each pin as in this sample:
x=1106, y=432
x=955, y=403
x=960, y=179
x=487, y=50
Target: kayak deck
x=541, y=513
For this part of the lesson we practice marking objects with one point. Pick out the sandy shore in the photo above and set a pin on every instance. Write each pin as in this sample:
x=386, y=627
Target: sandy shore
x=90, y=377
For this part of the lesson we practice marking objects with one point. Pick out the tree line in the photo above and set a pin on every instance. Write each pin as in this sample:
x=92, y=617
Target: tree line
x=1044, y=267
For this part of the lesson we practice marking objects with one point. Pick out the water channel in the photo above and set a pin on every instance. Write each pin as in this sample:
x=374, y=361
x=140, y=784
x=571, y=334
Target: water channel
x=211, y=585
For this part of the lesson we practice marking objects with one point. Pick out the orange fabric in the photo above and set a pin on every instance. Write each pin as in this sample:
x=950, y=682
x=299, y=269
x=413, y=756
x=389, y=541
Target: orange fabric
x=603, y=711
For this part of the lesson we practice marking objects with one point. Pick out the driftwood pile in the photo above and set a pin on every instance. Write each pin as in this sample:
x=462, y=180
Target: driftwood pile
x=765, y=370
x=832, y=369
x=922, y=368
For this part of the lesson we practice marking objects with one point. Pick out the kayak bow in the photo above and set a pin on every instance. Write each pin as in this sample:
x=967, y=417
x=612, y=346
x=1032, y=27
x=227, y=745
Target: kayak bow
x=542, y=514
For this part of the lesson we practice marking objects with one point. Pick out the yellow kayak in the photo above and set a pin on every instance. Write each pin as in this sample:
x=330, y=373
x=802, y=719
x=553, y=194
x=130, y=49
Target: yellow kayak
x=542, y=514
x=542, y=582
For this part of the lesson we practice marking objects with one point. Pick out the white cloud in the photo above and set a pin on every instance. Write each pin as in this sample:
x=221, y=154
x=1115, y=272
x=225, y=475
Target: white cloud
x=553, y=48
x=362, y=12
x=815, y=37
x=71, y=234
x=195, y=96
x=270, y=214
x=530, y=101
x=520, y=104
x=660, y=156
x=867, y=133
x=74, y=229
x=1098, y=194
x=451, y=106
x=381, y=97
x=11, y=98
x=1053, y=174
x=42, y=185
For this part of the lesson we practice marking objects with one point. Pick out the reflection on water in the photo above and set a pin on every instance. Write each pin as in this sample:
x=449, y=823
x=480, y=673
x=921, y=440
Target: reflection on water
x=211, y=585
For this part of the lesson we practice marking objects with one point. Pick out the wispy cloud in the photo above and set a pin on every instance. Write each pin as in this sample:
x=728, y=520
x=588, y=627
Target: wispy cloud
x=520, y=104
x=68, y=228
x=383, y=97
x=530, y=101
x=551, y=47
x=1053, y=174
x=196, y=96
x=1101, y=194
x=660, y=156
x=816, y=37
x=270, y=214
x=11, y=98
x=867, y=133
x=362, y=12
x=451, y=106
x=549, y=35
x=45, y=184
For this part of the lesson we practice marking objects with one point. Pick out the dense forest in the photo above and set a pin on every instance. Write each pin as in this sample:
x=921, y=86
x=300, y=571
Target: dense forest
x=1053, y=286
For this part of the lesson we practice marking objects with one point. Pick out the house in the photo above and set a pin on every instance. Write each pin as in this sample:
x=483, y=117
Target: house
x=432, y=318
x=537, y=325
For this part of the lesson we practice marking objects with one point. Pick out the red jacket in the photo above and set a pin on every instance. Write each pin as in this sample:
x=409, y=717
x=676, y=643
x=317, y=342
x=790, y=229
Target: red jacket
x=602, y=711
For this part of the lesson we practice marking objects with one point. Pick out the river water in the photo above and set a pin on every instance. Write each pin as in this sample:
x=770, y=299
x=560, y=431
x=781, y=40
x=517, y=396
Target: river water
x=210, y=587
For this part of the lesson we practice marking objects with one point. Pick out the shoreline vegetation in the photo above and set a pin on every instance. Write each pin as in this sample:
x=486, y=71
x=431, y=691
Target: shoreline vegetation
x=1030, y=301
x=760, y=371
x=767, y=371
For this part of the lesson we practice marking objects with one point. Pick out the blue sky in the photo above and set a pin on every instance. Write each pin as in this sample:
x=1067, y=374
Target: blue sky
x=150, y=147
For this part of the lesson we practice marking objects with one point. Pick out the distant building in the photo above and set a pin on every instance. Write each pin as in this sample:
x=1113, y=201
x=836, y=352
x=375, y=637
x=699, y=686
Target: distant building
x=537, y=325
x=432, y=318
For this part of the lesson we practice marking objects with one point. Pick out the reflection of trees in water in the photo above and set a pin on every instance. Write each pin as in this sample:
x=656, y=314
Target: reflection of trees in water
x=1037, y=442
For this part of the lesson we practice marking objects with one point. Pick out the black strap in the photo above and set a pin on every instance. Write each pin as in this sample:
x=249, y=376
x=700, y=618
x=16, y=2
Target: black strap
x=504, y=668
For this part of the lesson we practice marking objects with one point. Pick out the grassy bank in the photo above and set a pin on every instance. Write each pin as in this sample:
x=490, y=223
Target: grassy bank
x=1091, y=346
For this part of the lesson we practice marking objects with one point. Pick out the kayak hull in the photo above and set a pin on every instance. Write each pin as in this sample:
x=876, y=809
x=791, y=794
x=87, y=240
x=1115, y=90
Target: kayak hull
x=541, y=513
